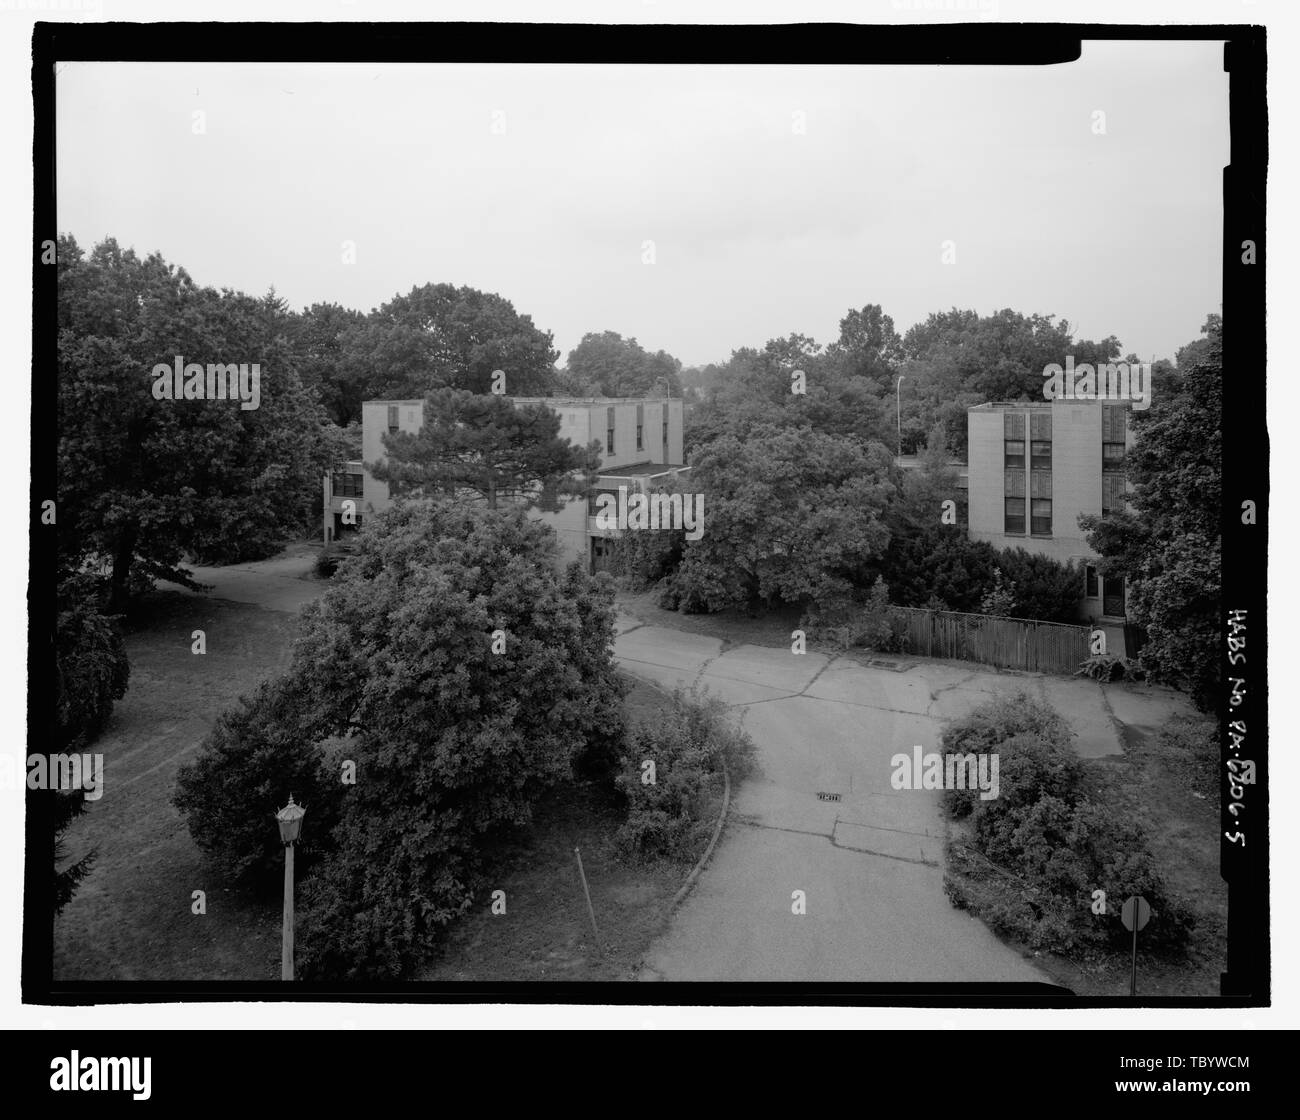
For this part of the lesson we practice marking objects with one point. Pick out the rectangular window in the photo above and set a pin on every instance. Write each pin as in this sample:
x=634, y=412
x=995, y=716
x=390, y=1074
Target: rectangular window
x=639, y=444
x=392, y=418
x=1015, y=515
x=1040, y=454
x=347, y=485
x=1040, y=517
x=1114, y=426
x=1112, y=492
x=609, y=430
x=1015, y=453
x=1090, y=582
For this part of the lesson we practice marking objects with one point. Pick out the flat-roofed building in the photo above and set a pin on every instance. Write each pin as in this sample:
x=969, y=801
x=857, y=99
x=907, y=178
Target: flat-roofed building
x=1034, y=467
x=641, y=448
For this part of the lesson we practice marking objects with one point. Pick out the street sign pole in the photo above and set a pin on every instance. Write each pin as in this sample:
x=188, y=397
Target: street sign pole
x=1133, y=977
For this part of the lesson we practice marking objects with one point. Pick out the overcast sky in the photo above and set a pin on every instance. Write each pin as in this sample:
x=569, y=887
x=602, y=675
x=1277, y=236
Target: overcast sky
x=758, y=229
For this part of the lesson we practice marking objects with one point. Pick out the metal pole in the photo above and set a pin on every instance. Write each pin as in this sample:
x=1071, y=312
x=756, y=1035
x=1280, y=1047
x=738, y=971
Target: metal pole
x=1133, y=976
x=590, y=912
x=286, y=952
x=898, y=404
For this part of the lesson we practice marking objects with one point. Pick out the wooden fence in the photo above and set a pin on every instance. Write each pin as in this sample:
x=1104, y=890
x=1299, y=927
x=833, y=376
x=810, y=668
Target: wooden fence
x=1012, y=643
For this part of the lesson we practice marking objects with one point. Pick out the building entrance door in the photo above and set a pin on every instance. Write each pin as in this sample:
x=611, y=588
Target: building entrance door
x=1112, y=596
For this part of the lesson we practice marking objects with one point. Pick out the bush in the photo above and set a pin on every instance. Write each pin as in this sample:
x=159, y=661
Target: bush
x=466, y=676
x=264, y=748
x=326, y=563
x=674, y=816
x=1045, y=846
x=1045, y=589
x=1034, y=747
x=91, y=667
x=1111, y=667
x=856, y=621
x=931, y=562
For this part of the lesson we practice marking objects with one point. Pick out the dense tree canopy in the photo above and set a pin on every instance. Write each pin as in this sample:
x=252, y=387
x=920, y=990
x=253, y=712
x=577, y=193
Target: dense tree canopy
x=789, y=515
x=1168, y=546
x=609, y=365
x=143, y=481
x=440, y=336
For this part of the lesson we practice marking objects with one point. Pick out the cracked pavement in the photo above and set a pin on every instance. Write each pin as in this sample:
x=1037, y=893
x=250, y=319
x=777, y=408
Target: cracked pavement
x=870, y=863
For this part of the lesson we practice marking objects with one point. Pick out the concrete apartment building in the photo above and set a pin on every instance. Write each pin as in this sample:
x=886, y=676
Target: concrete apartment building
x=1034, y=467
x=641, y=448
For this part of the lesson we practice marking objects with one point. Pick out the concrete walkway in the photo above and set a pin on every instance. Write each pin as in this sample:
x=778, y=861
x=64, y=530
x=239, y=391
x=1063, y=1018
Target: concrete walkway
x=282, y=583
x=870, y=863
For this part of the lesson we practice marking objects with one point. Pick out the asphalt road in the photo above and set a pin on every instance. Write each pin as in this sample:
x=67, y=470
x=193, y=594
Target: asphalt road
x=869, y=865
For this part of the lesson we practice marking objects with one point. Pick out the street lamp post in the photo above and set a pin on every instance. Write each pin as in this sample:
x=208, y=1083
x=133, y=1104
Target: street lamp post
x=290, y=821
x=898, y=404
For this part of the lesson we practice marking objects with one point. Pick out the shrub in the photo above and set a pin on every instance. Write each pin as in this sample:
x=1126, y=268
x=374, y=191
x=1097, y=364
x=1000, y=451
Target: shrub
x=851, y=621
x=326, y=563
x=264, y=748
x=935, y=562
x=1034, y=748
x=453, y=735
x=1111, y=667
x=1045, y=846
x=673, y=816
x=1045, y=589
x=91, y=666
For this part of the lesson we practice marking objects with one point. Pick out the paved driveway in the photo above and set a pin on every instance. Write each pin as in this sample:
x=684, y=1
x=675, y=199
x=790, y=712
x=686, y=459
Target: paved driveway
x=870, y=864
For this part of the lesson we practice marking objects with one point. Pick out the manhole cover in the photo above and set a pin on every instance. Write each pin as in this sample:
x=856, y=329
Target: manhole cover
x=823, y=796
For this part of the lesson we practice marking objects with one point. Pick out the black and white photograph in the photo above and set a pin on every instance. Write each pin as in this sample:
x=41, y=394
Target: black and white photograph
x=596, y=515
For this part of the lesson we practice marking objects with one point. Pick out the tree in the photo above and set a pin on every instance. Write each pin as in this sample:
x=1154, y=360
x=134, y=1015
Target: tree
x=323, y=339
x=491, y=447
x=440, y=336
x=1168, y=547
x=761, y=387
x=144, y=481
x=609, y=365
x=790, y=515
x=463, y=675
x=959, y=358
x=868, y=345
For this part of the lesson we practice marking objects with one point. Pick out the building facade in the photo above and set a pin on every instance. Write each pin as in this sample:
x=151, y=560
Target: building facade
x=1035, y=467
x=641, y=448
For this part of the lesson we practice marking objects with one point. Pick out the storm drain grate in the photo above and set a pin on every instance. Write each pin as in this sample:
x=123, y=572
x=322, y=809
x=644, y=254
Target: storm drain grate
x=823, y=796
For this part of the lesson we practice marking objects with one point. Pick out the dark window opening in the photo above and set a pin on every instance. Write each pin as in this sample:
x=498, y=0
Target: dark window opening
x=1112, y=492
x=639, y=442
x=1090, y=584
x=347, y=485
x=1015, y=452
x=1040, y=454
x=1014, y=520
x=1040, y=517
x=392, y=419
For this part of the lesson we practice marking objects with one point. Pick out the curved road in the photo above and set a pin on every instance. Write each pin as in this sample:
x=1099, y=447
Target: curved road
x=869, y=865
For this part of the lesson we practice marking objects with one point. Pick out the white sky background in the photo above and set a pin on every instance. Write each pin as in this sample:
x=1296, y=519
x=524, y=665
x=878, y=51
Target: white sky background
x=758, y=230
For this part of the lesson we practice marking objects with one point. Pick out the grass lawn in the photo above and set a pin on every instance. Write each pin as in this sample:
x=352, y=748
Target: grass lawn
x=545, y=933
x=131, y=918
x=1174, y=795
